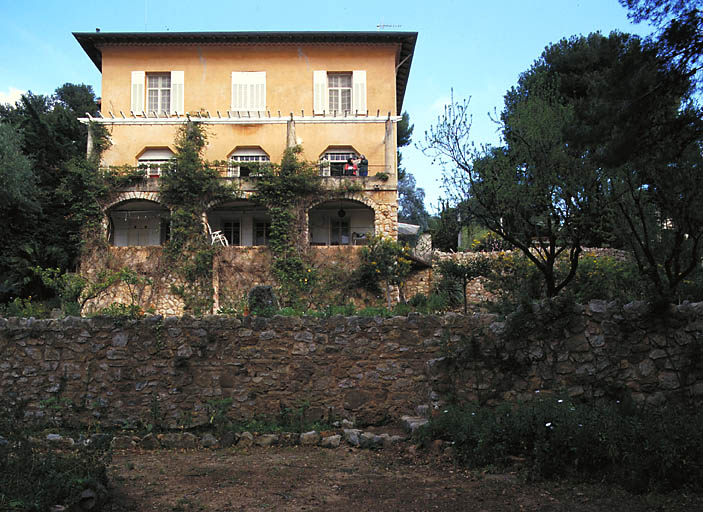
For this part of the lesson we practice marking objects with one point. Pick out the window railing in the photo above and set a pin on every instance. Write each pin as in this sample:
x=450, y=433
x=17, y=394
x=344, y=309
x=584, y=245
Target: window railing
x=342, y=169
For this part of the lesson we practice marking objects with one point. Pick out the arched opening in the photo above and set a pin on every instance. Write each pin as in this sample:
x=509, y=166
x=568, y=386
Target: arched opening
x=138, y=223
x=153, y=160
x=341, y=222
x=245, y=161
x=243, y=223
x=343, y=161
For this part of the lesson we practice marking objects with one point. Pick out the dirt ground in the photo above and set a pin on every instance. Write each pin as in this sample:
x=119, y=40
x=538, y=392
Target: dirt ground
x=347, y=480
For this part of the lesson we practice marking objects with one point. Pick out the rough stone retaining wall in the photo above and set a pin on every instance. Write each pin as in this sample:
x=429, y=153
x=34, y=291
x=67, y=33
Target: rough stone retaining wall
x=366, y=369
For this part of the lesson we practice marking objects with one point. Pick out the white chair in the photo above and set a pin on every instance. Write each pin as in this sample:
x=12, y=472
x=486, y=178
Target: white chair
x=217, y=236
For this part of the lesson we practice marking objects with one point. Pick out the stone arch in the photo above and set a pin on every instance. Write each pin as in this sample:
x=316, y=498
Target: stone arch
x=385, y=215
x=340, y=221
x=136, y=220
x=129, y=196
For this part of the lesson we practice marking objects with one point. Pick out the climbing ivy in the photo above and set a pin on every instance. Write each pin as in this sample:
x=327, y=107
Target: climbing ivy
x=287, y=191
x=188, y=186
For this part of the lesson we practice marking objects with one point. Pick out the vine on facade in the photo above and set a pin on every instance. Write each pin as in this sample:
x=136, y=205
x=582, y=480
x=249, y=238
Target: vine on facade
x=188, y=186
x=287, y=191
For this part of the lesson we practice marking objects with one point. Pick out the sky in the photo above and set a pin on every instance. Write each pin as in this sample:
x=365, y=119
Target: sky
x=469, y=48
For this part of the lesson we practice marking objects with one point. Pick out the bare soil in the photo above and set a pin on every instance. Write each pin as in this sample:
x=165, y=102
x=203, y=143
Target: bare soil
x=347, y=480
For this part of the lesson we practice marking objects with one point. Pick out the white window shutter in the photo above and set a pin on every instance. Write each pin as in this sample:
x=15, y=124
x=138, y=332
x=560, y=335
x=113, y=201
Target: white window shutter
x=359, y=91
x=248, y=91
x=320, y=101
x=257, y=90
x=177, y=90
x=137, y=103
x=239, y=91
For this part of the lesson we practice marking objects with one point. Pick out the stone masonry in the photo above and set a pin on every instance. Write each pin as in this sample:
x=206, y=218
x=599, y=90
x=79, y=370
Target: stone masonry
x=369, y=370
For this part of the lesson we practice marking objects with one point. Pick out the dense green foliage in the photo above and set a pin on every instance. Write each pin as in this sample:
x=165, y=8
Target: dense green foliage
x=383, y=261
x=640, y=449
x=188, y=186
x=411, y=199
x=598, y=132
x=50, y=189
x=284, y=190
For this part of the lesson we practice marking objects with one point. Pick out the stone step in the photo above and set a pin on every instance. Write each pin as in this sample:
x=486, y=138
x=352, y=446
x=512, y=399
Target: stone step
x=412, y=423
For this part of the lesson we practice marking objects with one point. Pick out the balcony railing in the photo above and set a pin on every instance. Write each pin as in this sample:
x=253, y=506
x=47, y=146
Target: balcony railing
x=247, y=171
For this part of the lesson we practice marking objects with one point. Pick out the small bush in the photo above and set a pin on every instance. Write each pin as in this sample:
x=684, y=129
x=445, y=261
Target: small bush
x=605, y=277
x=641, y=449
x=262, y=301
x=516, y=280
x=488, y=241
x=26, y=308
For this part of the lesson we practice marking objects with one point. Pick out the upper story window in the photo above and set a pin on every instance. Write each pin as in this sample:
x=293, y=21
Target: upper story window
x=157, y=94
x=248, y=91
x=343, y=161
x=152, y=160
x=339, y=93
x=246, y=161
x=339, y=87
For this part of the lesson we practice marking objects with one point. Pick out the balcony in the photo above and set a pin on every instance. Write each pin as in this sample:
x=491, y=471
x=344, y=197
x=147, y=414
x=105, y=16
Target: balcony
x=376, y=178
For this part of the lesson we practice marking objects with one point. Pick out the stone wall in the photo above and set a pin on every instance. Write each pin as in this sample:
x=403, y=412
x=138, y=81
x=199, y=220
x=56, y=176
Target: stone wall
x=149, y=263
x=367, y=369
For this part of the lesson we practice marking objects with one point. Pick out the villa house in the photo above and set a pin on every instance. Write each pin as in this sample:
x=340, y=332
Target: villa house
x=338, y=95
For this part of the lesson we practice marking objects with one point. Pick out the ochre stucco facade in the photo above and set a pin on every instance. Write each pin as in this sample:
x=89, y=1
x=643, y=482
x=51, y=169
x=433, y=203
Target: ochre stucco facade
x=291, y=83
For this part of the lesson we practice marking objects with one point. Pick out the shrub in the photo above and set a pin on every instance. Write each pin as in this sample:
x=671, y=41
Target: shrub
x=516, y=280
x=26, y=308
x=605, y=277
x=488, y=241
x=262, y=301
x=640, y=449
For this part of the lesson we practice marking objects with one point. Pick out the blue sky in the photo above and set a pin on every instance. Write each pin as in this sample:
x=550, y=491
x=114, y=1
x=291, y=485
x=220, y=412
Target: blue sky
x=477, y=48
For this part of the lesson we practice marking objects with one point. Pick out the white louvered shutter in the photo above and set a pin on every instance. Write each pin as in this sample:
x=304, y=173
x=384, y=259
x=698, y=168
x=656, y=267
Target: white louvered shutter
x=177, y=91
x=319, y=92
x=359, y=92
x=137, y=103
x=248, y=91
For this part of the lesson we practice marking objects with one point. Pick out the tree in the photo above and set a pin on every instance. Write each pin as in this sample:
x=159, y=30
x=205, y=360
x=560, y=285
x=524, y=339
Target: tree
x=63, y=186
x=680, y=27
x=461, y=273
x=411, y=200
x=585, y=109
x=444, y=228
x=19, y=208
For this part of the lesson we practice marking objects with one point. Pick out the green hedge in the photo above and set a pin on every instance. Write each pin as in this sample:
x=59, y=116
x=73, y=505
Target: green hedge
x=641, y=449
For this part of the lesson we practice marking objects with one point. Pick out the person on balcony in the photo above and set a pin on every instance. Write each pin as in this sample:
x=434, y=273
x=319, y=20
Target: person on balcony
x=350, y=168
x=363, y=166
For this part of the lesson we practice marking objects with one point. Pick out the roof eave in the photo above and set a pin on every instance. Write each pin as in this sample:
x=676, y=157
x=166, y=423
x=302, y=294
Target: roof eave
x=91, y=42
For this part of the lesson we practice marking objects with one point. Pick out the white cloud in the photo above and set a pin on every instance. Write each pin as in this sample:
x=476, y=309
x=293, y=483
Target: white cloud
x=12, y=96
